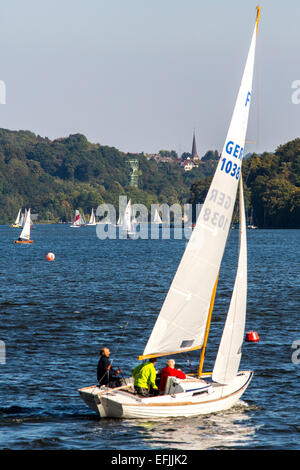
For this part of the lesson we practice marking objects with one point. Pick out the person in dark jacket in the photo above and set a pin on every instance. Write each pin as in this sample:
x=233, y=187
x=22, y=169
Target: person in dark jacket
x=105, y=374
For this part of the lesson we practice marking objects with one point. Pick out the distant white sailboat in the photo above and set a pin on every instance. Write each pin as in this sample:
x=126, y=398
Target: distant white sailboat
x=92, y=220
x=156, y=218
x=128, y=223
x=25, y=234
x=78, y=220
x=184, y=320
x=250, y=223
x=18, y=221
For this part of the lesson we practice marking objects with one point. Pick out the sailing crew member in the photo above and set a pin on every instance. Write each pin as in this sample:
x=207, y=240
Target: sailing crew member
x=145, y=377
x=105, y=374
x=169, y=371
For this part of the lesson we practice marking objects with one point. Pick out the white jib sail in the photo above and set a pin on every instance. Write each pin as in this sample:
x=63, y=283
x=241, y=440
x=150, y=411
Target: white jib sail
x=230, y=349
x=25, y=234
x=126, y=222
x=82, y=221
x=181, y=323
x=17, y=221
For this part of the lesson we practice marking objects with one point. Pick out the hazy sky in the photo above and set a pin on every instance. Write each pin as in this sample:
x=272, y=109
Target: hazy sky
x=142, y=75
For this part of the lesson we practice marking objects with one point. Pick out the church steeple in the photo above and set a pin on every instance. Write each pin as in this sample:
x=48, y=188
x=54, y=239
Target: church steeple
x=194, y=149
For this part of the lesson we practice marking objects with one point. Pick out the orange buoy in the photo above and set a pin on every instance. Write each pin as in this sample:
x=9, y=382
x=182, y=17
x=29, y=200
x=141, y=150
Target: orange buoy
x=252, y=336
x=50, y=256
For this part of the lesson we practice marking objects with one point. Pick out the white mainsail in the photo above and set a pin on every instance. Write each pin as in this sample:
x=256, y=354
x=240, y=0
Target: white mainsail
x=156, y=218
x=230, y=349
x=17, y=221
x=181, y=323
x=22, y=220
x=25, y=234
x=127, y=219
x=92, y=220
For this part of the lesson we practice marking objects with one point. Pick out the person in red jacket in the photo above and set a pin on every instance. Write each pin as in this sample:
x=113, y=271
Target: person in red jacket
x=168, y=371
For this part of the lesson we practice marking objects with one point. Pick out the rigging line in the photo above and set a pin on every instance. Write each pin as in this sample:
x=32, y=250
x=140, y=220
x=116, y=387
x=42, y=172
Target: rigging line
x=187, y=359
x=138, y=296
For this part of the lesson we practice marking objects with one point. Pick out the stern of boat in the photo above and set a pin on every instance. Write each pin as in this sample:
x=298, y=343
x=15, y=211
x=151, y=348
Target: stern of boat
x=91, y=397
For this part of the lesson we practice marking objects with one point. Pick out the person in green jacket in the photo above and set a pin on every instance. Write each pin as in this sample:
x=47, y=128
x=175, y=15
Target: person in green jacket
x=144, y=378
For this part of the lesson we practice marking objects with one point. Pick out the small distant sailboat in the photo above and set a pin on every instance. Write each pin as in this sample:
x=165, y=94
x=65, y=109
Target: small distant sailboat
x=156, y=218
x=78, y=220
x=120, y=221
x=128, y=222
x=25, y=234
x=184, y=320
x=92, y=220
x=18, y=222
x=250, y=225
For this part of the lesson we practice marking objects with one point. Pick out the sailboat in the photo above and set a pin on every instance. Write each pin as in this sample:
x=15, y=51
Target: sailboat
x=156, y=218
x=92, y=220
x=78, y=220
x=250, y=223
x=17, y=222
x=183, y=323
x=120, y=221
x=25, y=234
x=128, y=221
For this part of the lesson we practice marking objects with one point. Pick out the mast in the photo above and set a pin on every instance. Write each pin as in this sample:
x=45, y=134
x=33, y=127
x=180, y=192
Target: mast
x=257, y=16
x=200, y=369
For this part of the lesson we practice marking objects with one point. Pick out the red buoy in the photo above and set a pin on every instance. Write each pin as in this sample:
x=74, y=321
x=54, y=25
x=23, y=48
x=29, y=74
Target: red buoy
x=252, y=336
x=50, y=256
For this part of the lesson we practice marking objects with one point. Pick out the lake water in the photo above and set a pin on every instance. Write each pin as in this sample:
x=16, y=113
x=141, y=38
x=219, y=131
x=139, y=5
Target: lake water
x=55, y=316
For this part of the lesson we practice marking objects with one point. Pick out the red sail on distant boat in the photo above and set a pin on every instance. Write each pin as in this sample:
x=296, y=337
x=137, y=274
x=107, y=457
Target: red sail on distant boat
x=78, y=220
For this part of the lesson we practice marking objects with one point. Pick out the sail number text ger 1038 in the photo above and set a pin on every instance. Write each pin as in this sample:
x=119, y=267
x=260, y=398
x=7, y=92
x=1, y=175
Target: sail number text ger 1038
x=228, y=165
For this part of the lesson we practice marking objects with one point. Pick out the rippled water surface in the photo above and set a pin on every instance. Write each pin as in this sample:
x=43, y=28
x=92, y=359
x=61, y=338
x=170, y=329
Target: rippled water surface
x=56, y=315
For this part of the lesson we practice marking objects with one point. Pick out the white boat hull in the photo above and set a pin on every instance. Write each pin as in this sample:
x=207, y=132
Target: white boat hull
x=208, y=398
